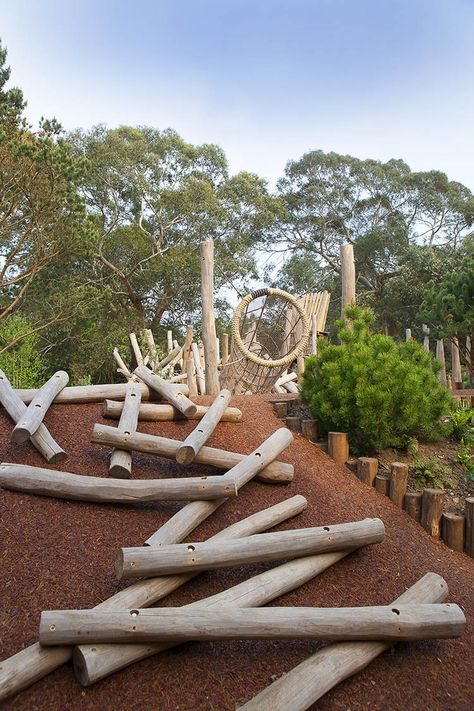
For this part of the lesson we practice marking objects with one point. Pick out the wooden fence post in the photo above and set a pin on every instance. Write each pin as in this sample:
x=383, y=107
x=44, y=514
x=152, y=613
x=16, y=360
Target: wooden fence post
x=398, y=482
x=432, y=510
x=208, y=322
x=348, y=276
x=452, y=526
x=338, y=446
x=367, y=470
x=412, y=504
x=440, y=356
x=426, y=337
x=456, y=373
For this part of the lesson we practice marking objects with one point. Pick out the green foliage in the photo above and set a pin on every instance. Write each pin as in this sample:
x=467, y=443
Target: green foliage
x=431, y=474
x=464, y=456
x=460, y=424
x=20, y=358
x=377, y=390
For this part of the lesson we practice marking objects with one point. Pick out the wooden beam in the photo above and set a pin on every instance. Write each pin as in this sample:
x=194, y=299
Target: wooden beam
x=348, y=276
x=150, y=412
x=208, y=321
x=166, y=390
x=194, y=442
x=120, y=459
x=96, y=393
x=34, y=414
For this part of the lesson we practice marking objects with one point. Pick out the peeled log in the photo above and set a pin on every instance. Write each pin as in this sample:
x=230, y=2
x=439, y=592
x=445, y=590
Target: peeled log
x=432, y=504
x=166, y=390
x=31, y=419
x=64, y=485
x=16, y=408
x=121, y=460
x=149, y=412
x=96, y=393
x=179, y=624
x=302, y=686
x=165, y=447
x=194, y=442
x=263, y=548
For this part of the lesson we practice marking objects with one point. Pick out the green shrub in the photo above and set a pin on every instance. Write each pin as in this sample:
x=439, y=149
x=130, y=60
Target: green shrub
x=22, y=362
x=461, y=424
x=465, y=458
x=379, y=391
x=431, y=474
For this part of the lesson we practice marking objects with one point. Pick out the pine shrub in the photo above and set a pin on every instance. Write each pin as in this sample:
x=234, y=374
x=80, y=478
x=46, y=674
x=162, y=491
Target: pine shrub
x=379, y=391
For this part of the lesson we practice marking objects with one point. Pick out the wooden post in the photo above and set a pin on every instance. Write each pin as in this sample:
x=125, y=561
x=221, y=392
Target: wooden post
x=408, y=334
x=348, y=276
x=281, y=409
x=34, y=414
x=225, y=349
x=452, y=527
x=166, y=390
x=314, y=335
x=338, y=446
x=398, y=483
x=382, y=484
x=167, y=360
x=194, y=442
x=469, y=512
x=208, y=322
x=169, y=341
x=165, y=447
x=16, y=408
x=440, y=356
x=456, y=365
x=122, y=367
x=309, y=429
x=431, y=511
x=367, y=468
x=200, y=378
x=412, y=504
x=120, y=459
x=426, y=337
x=178, y=624
x=137, y=356
x=306, y=683
x=293, y=423
x=150, y=341
x=191, y=377
x=151, y=412
x=187, y=348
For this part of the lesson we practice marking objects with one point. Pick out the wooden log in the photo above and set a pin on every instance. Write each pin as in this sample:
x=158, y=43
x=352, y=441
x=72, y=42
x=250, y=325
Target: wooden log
x=225, y=349
x=426, y=337
x=200, y=379
x=169, y=340
x=469, y=512
x=187, y=348
x=94, y=662
x=301, y=687
x=208, y=321
x=137, y=356
x=150, y=341
x=151, y=412
x=194, y=442
x=64, y=485
x=293, y=423
x=121, y=459
x=263, y=548
x=338, y=446
x=288, y=377
x=281, y=409
x=432, y=504
x=408, y=334
x=291, y=387
x=452, y=526
x=309, y=429
x=191, y=377
x=314, y=335
x=440, y=357
x=398, y=483
x=412, y=504
x=97, y=393
x=122, y=367
x=27, y=666
x=348, y=276
x=456, y=364
x=382, y=484
x=34, y=414
x=165, y=447
x=179, y=624
x=168, y=358
x=166, y=390
x=16, y=408
x=367, y=468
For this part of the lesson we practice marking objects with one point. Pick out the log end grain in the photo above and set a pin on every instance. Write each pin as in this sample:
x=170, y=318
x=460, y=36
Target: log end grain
x=185, y=455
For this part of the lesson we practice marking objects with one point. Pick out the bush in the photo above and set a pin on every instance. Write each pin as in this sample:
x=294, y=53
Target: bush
x=431, y=474
x=379, y=391
x=22, y=362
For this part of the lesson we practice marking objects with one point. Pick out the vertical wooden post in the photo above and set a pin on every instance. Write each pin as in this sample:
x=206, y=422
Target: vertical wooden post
x=208, y=322
x=225, y=349
x=169, y=340
x=470, y=526
x=452, y=527
x=382, y=484
x=456, y=364
x=338, y=446
x=191, y=377
x=408, y=334
x=412, y=504
x=348, y=276
x=398, y=482
x=187, y=348
x=432, y=510
x=426, y=337
x=367, y=470
x=309, y=429
x=137, y=357
x=314, y=335
x=440, y=356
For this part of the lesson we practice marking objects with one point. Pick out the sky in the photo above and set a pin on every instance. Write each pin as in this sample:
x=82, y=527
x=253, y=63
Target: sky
x=266, y=80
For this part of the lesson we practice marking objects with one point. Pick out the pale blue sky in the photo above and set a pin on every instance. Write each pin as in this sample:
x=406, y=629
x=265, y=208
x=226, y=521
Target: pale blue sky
x=267, y=80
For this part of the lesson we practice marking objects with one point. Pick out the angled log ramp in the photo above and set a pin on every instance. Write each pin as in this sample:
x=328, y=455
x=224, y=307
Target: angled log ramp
x=194, y=442
x=21, y=670
x=78, y=394
x=150, y=412
x=404, y=623
x=64, y=485
x=264, y=548
x=279, y=472
x=301, y=687
x=34, y=414
x=166, y=390
x=16, y=408
x=121, y=460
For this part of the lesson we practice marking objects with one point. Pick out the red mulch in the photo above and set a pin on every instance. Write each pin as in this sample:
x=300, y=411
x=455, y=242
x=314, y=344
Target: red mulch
x=58, y=554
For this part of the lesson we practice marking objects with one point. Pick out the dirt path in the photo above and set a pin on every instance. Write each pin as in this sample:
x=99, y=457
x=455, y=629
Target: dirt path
x=58, y=554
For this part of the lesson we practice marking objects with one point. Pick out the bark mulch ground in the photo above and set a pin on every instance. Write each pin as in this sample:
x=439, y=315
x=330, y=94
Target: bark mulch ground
x=58, y=554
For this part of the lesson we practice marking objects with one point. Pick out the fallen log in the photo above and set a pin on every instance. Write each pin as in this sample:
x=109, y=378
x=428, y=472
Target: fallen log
x=120, y=459
x=34, y=414
x=96, y=393
x=194, y=442
x=302, y=686
x=16, y=408
x=166, y=390
x=27, y=666
x=165, y=447
x=264, y=548
x=163, y=413
x=64, y=485
x=179, y=624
